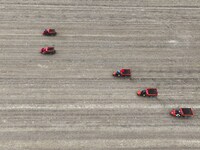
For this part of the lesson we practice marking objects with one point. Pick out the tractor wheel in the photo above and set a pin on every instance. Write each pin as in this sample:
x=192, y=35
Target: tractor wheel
x=144, y=95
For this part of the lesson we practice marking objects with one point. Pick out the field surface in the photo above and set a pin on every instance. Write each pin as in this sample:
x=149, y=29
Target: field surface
x=70, y=101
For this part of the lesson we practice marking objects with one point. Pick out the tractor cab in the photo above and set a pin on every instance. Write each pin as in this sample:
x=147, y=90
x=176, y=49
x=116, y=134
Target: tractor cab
x=49, y=32
x=182, y=112
x=150, y=92
x=48, y=50
x=122, y=73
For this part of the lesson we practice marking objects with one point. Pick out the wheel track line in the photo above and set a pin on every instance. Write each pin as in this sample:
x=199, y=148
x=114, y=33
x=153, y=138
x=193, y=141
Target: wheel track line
x=92, y=106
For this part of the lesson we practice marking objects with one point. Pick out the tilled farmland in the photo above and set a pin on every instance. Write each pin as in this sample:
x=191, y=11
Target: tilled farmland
x=71, y=101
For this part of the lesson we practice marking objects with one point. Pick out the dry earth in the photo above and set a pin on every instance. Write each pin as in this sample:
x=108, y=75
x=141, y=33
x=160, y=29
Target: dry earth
x=70, y=101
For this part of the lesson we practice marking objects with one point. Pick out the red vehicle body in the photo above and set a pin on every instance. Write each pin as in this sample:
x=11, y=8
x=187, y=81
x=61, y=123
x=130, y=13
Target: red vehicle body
x=182, y=112
x=150, y=92
x=48, y=50
x=49, y=32
x=122, y=73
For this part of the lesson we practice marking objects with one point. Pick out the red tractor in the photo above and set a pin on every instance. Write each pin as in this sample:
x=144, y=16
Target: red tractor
x=48, y=50
x=122, y=73
x=150, y=92
x=49, y=32
x=182, y=112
